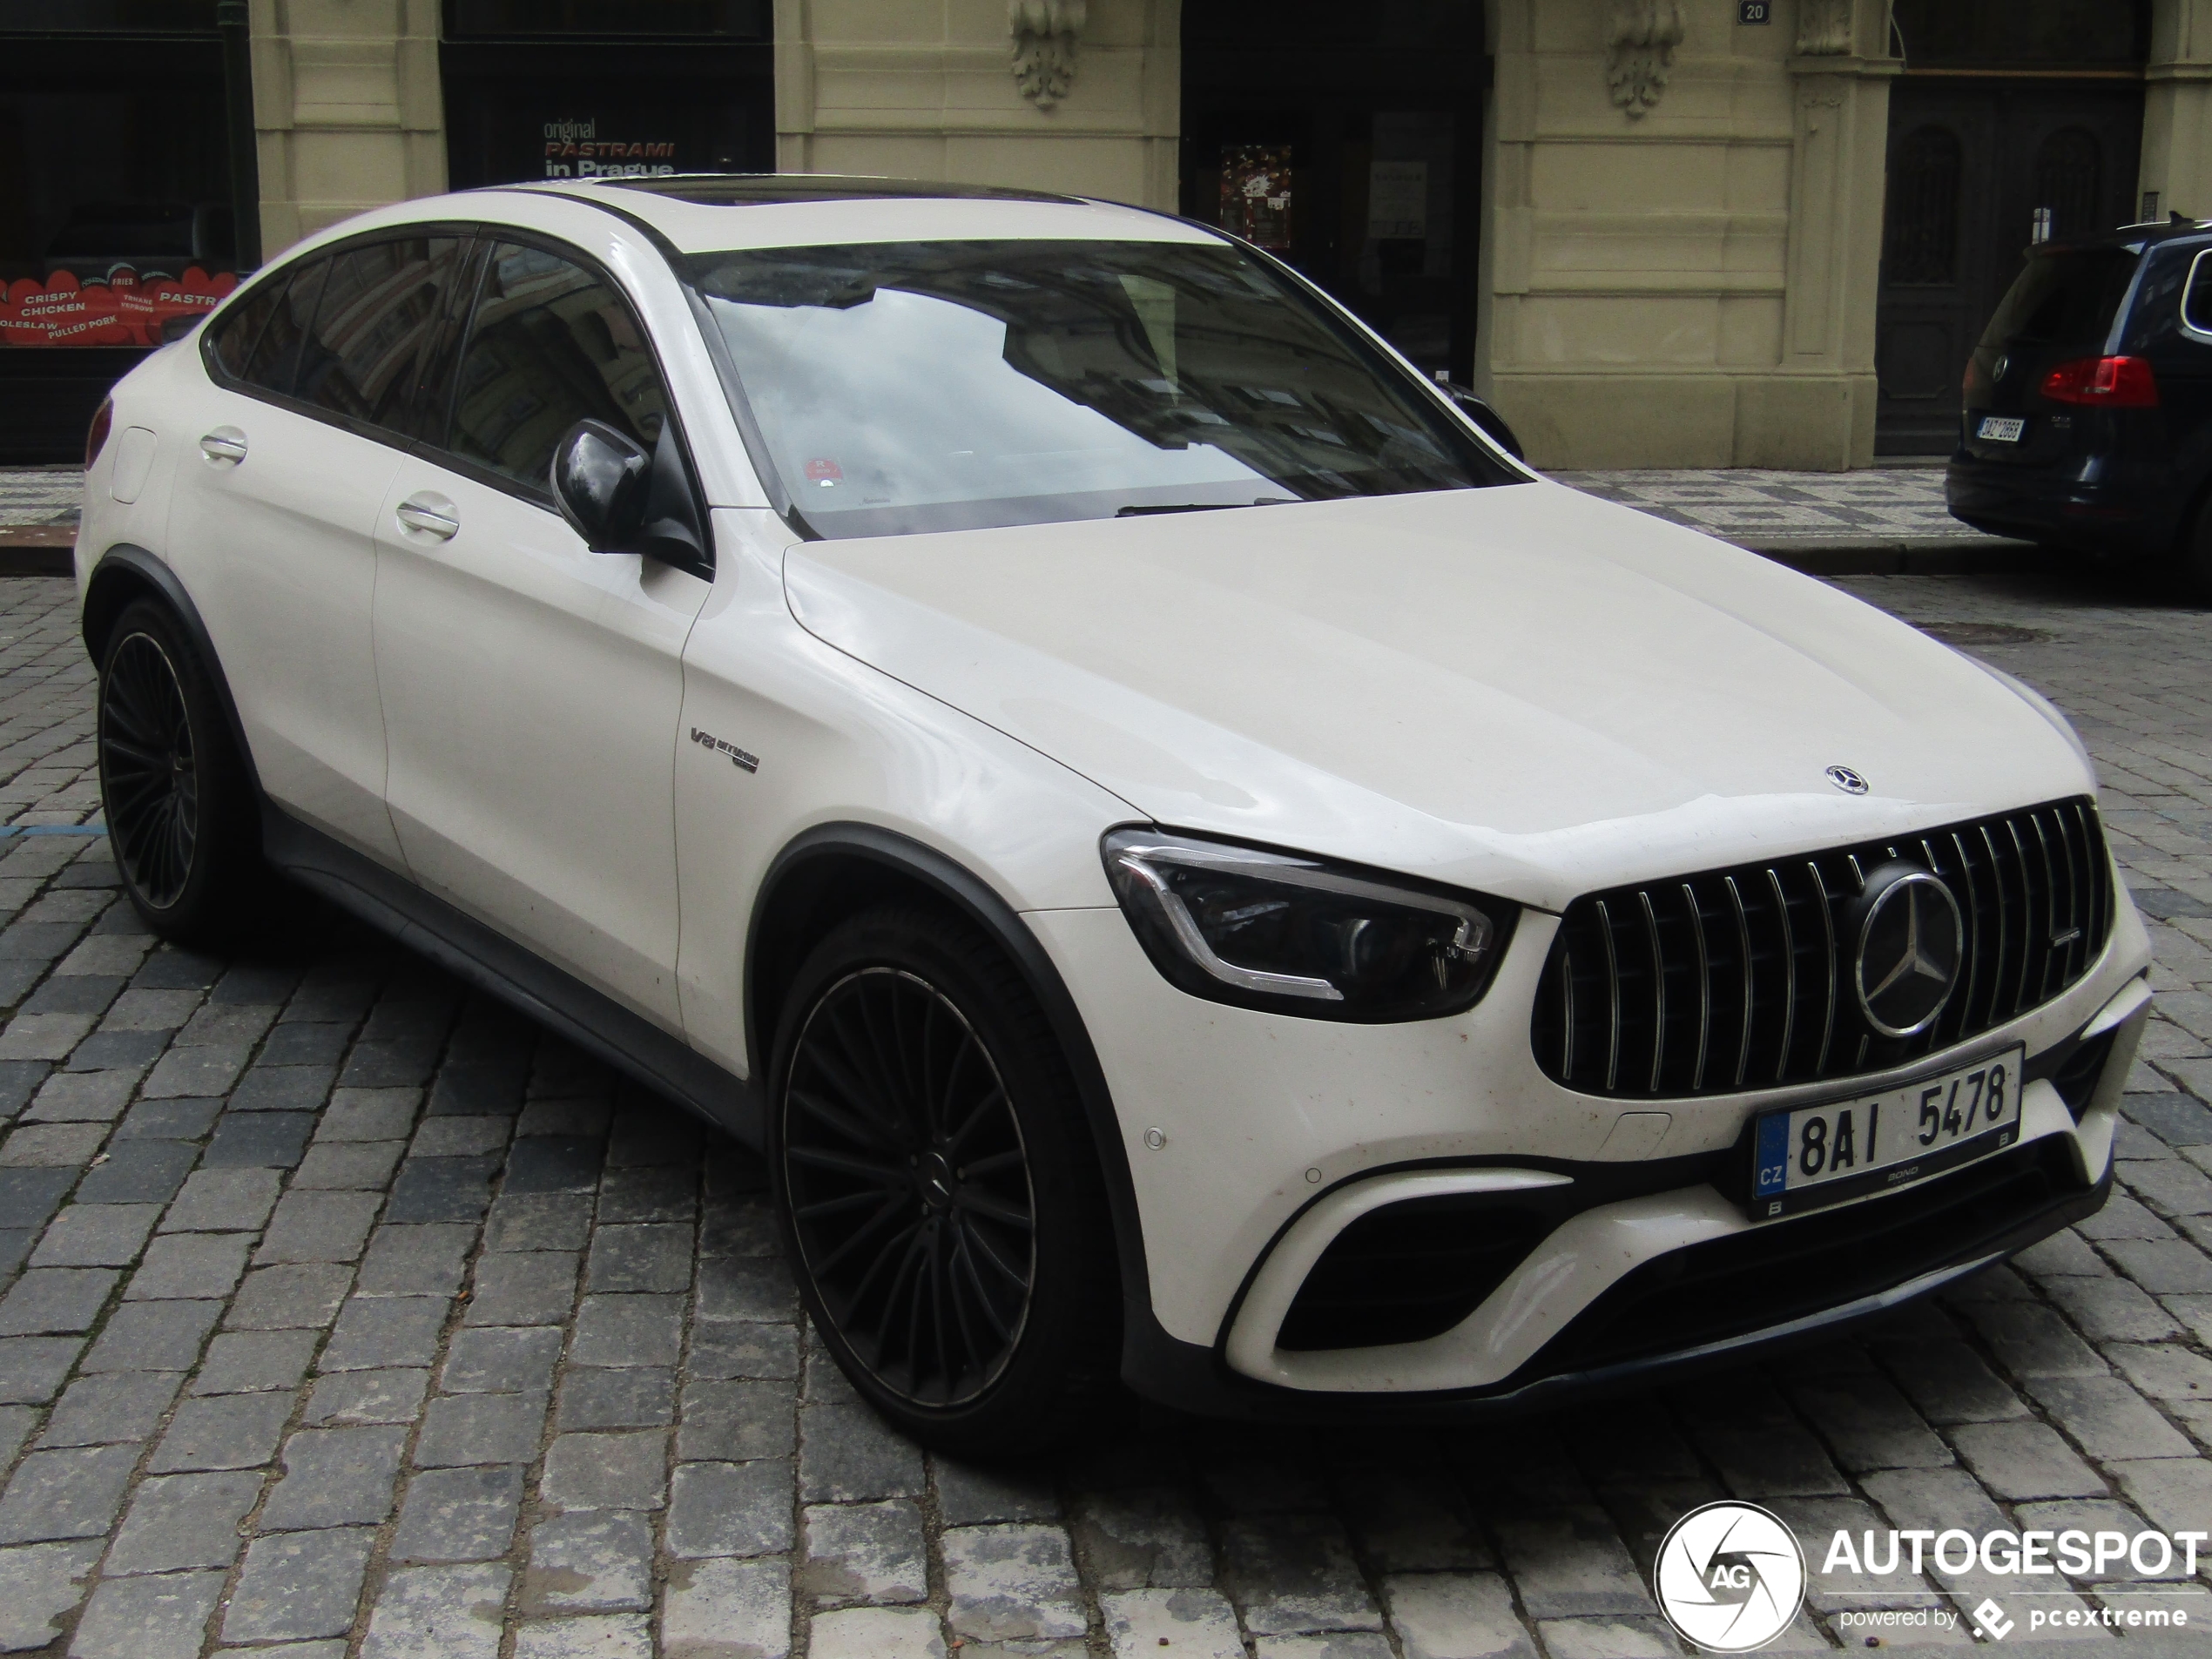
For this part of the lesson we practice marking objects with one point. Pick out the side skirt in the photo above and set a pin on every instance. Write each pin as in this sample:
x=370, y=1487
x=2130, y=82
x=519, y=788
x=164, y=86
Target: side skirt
x=496, y=965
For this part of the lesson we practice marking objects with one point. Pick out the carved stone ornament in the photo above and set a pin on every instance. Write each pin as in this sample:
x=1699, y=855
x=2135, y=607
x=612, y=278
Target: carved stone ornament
x=1045, y=33
x=1824, y=28
x=1640, y=44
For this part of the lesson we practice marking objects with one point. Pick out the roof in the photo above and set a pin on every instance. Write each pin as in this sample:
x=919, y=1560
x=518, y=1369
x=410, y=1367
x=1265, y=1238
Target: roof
x=2171, y=229
x=748, y=189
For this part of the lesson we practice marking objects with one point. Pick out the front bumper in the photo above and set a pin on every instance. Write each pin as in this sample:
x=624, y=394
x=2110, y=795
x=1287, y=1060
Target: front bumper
x=1275, y=1134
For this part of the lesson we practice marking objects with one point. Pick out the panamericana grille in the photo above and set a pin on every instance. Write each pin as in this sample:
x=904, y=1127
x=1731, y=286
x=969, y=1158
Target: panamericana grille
x=1740, y=979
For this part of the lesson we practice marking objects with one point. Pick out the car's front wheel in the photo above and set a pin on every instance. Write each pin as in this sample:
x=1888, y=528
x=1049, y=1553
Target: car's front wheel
x=179, y=806
x=943, y=1210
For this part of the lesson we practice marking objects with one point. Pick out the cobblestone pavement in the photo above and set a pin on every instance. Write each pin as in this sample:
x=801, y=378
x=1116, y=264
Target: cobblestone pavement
x=355, y=1316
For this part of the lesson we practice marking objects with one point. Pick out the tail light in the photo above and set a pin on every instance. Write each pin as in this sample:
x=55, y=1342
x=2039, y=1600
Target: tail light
x=96, y=440
x=2112, y=382
x=1975, y=381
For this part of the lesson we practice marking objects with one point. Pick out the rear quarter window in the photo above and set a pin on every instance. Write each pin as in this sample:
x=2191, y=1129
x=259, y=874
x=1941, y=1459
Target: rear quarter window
x=2064, y=298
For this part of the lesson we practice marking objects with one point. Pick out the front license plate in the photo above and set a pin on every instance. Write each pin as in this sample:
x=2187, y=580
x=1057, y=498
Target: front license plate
x=1846, y=1148
x=2001, y=428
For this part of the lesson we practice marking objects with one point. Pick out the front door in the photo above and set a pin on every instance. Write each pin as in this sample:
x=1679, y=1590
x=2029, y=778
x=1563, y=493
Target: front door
x=532, y=687
x=1978, y=170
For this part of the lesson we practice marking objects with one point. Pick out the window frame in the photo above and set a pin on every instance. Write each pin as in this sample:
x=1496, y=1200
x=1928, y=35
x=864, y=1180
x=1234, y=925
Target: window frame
x=2198, y=273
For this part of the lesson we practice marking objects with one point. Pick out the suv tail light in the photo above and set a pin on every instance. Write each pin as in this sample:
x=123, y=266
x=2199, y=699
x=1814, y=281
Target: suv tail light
x=2113, y=383
x=96, y=439
x=1975, y=381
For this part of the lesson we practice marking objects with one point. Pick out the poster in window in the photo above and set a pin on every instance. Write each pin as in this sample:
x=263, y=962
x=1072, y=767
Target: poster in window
x=1256, y=191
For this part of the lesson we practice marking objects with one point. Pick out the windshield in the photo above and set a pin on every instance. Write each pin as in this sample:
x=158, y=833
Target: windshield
x=910, y=386
x=2063, y=298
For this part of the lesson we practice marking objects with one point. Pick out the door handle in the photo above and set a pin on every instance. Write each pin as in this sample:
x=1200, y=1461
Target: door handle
x=225, y=443
x=431, y=514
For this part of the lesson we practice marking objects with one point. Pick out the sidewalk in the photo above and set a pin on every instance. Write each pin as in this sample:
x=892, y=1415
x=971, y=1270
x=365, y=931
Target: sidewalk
x=1881, y=522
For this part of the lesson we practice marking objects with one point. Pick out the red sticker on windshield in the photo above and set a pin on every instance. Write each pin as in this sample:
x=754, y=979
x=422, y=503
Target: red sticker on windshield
x=824, y=472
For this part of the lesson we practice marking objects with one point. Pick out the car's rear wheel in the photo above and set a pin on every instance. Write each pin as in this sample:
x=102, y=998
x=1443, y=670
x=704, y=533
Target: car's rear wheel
x=180, y=805
x=943, y=1210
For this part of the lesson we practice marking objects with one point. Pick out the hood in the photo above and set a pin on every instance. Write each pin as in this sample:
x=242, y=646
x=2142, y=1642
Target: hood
x=1523, y=689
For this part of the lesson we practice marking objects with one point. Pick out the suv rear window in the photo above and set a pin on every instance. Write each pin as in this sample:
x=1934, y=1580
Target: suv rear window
x=2064, y=298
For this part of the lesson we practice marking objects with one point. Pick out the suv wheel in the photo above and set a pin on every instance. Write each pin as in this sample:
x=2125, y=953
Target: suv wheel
x=940, y=1202
x=180, y=808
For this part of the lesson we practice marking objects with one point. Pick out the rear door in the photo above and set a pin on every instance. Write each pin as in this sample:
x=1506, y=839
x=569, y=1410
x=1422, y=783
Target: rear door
x=532, y=687
x=293, y=441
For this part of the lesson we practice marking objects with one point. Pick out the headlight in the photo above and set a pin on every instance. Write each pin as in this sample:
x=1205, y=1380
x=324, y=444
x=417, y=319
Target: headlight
x=1294, y=935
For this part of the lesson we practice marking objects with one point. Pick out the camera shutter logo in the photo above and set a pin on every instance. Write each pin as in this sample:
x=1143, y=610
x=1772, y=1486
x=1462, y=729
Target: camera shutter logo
x=1731, y=1577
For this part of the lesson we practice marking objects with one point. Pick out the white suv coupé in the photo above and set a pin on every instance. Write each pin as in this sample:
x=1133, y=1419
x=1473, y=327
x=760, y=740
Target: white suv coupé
x=1199, y=872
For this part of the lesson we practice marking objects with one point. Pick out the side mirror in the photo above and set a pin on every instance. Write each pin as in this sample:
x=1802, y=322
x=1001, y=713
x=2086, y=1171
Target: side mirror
x=599, y=483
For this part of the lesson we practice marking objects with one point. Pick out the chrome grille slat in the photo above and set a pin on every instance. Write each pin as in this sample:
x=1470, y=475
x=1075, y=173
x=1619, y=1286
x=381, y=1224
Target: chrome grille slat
x=2026, y=882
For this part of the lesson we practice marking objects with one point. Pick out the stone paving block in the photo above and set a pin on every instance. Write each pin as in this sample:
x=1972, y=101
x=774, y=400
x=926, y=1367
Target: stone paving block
x=649, y=1194
x=298, y=1585
x=283, y=1089
x=2169, y=1186
x=2164, y=1371
x=296, y=1297
x=2174, y=1493
x=2123, y=1217
x=223, y=1432
x=95, y=1235
x=153, y=1335
x=352, y=1397
x=594, y=1636
x=201, y=1069
x=1195, y=1624
x=72, y=1493
x=881, y=1633
x=726, y=1350
x=1016, y=1583
x=442, y=1188
x=75, y=994
x=147, y=1618
x=182, y=1520
x=335, y=1477
x=746, y=1287
x=730, y=1508
x=717, y=1609
x=1770, y=1460
x=445, y=1136
x=224, y=1201
x=538, y=1220
x=169, y=1120
x=52, y=1301
x=2023, y=1460
x=2031, y=1341
x=250, y=1361
x=269, y=1140
x=439, y=1612
x=1408, y=1519
x=459, y=1514
x=112, y=1409
x=1571, y=1563
x=319, y=1227
x=848, y=1455
x=501, y=1360
x=595, y=1397
x=2064, y=1254
x=334, y=1166
x=865, y=1552
x=16, y=1424
x=1610, y=1639
x=82, y=1097
x=1143, y=1538
x=640, y=1257
x=426, y=1259
x=2112, y=1310
x=44, y=1036
x=375, y=1332
x=41, y=1585
x=2107, y=1419
x=1455, y=1616
x=28, y=1197
x=625, y=1329
x=1941, y=1498
x=532, y=1287
x=580, y=1119
x=739, y=1226
x=968, y=1495
x=597, y=1561
x=733, y=1422
x=1294, y=1574
x=481, y=1428
x=1871, y=1426
x=189, y=1266
x=51, y=1146
x=369, y=1114
x=552, y=1164
x=622, y=1471
x=2163, y=1267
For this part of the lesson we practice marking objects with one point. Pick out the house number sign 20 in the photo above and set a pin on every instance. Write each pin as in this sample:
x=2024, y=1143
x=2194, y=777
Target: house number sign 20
x=1755, y=11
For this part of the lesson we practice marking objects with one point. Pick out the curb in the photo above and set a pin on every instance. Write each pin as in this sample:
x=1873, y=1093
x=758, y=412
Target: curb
x=1927, y=555
x=38, y=549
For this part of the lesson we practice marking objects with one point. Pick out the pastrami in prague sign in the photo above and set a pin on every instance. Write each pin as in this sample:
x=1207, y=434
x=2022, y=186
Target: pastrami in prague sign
x=122, y=308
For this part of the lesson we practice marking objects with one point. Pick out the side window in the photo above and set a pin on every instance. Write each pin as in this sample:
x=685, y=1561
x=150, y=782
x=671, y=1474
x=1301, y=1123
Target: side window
x=277, y=353
x=379, y=304
x=2196, y=299
x=550, y=345
x=233, y=341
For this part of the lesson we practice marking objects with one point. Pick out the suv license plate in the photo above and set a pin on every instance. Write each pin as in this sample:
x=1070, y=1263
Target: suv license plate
x=2001, y=428
x=1847, y=1149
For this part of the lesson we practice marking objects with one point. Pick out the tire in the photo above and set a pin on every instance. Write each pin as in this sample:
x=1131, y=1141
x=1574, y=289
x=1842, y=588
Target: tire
x=933, y=1172
x=179, y=802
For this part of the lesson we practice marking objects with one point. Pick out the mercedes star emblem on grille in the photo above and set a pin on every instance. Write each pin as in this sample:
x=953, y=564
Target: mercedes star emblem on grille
x=1847, y=780
x=1912, y=940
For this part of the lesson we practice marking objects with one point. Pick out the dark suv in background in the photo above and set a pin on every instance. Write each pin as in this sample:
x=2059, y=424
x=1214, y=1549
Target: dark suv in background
x=2089, y=402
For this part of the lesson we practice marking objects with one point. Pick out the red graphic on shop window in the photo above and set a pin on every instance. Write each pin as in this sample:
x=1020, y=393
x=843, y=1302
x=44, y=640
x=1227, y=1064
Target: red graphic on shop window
x=124, y=308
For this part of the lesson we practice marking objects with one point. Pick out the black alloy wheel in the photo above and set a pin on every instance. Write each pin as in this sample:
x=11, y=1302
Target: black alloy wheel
x=909, y=1186
x=149, y=769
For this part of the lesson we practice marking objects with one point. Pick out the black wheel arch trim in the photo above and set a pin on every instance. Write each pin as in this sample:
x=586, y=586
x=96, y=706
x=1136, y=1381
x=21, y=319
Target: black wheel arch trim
x=131, y=565
x=981, y=904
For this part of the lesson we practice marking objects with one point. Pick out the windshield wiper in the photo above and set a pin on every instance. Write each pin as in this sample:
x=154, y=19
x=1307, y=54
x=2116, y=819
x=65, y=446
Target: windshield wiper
x=1203, y=507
